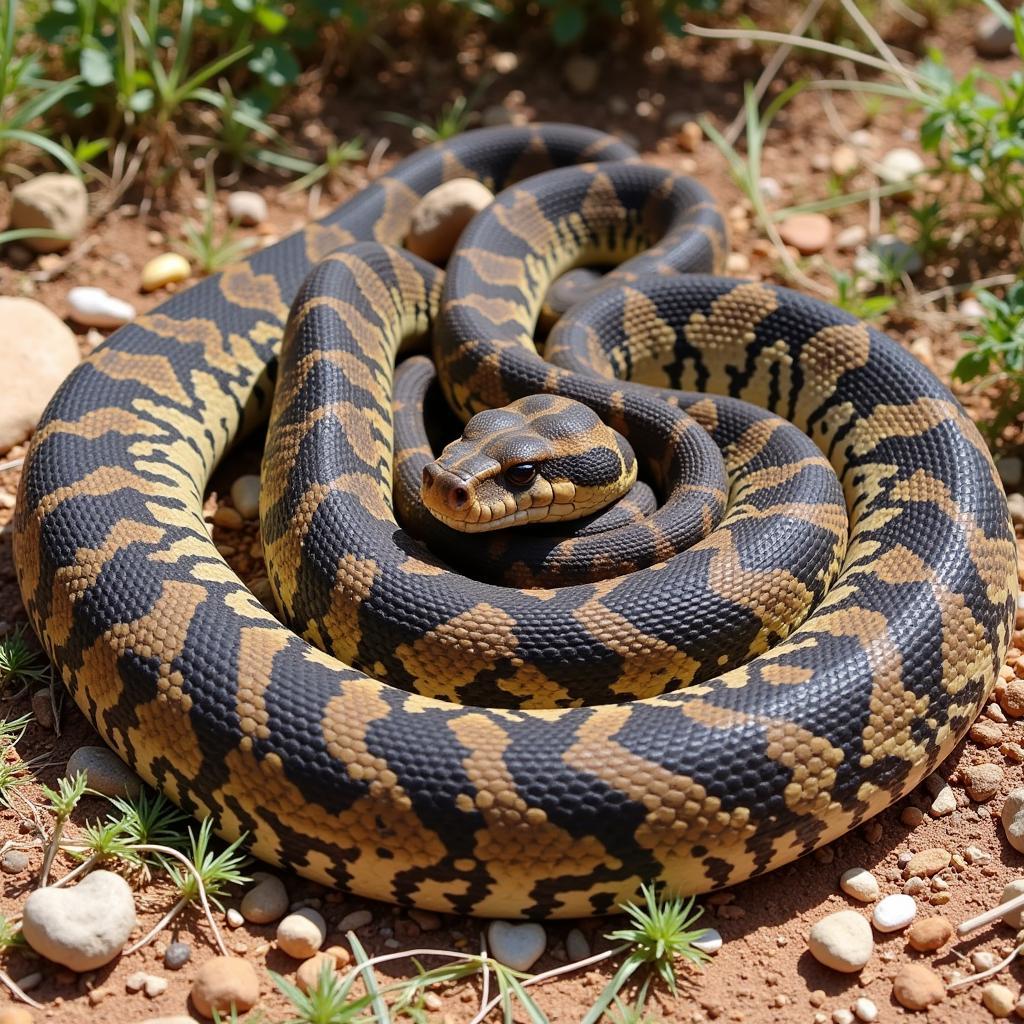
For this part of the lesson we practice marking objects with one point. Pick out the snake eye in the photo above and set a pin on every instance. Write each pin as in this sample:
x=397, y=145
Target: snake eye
x=522, y=475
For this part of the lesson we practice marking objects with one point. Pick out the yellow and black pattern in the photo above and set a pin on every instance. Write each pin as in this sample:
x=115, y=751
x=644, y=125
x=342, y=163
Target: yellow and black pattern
x=513, y=810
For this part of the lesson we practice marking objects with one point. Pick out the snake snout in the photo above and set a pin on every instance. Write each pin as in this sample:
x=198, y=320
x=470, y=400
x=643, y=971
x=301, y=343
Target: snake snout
x=447, y=487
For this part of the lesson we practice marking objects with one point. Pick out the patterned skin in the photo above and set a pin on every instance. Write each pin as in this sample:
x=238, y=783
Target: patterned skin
x=524, y=811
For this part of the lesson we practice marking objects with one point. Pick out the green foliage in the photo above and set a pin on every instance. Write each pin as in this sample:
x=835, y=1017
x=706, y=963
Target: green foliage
x=209, y=247
x=13, y=773
x=10, y=935
x=19, y=662
x=997, y=355
x=570, y=20
x=151, y=820
x=329, y=1001
x=218, y=871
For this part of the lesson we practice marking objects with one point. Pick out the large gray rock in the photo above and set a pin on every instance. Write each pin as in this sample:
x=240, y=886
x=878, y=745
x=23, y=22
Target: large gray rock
x=54, y=202
x=82, y=927
x=37, y=351
x=105, y=772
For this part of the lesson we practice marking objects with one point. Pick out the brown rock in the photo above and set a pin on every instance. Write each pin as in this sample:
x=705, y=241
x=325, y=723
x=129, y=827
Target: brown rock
x=225, y=981
x=917, y=987
x=912, y=816
x=982, y=781
x=308, y=973
x=808, y=233
x=53, y=202
x=927, y=863
x=986, y=733
x=441, y=215
x=929, y=933
x=1011, y=699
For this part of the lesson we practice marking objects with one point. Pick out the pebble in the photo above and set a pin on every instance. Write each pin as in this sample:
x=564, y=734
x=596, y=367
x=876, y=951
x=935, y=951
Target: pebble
x=971, y=309
x=917, y=987
x=15, y=1015
x=245, y=495
x=1011, y=470
x=234, y=918
x=899, y=164
x=354, y=920
x=993, y=38
x=998, y=999
x=84, y=926
x=301, y=934
x=1013, y=818
x=504, y=61
x=308, y=973
x=38, y=350
x=915, y=886
x=518, y=946
x=887, y=255
x=982, y=781
x=894, y=912
x=770, y=189
x=1011, y=696
x=1014, y=918
x=228, y=517
x=689, y=136
x=247, y=208
x=440, y=216
x=578, y=948
x=224, y=980
x=842, y=1016
x=737, y=263
x=709, y=941
x=266, y=901
x=177, y=955
x=842, y=941
x=105, y=771
x=944, y=802
x=864, y=1009
x=93, y=307
x=13, y=862
x=927, y=863
x=912, y=816
x=860, y=884
x=851, y=238
x=929, y=934
x=42, y=708
x=426, y=919
x=581, y=74
x=808, y=233
x=986, y=733
x=55, y=202
x=844, y=160
x=983, y=960
x=167, y=268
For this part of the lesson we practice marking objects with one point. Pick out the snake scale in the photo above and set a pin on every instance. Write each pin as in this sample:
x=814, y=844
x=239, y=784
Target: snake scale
x=706, y=717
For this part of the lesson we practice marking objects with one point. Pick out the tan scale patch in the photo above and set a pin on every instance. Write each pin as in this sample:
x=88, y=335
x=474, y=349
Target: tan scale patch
x=155, y=373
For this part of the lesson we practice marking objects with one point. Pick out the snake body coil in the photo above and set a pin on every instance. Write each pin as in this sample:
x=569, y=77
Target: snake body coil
x=516, y=809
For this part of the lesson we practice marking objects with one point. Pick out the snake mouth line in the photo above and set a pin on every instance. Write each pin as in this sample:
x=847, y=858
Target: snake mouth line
x=521, y=517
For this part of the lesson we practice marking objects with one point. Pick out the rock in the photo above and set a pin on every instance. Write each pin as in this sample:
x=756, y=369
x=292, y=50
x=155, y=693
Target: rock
x=93, y=307
x=15, y=1015
x=917, y=987
x=998, y=999
x=177, y=955
x=689, y=136
x=842, y=941
x=982, y=781
x=993, y=38
x=915, y=886
x=1011, y=698
x=504, y=61
x=850, y=238
x=82, y=927
x=885, y=257
x=912, y=816
x=1011, y=470
x=234, y=918
x=927, y=863
x=860, y=884
x=770, y=189
x=38, y=350
x=302, y=934
x=844, y=160
x=223, y=982
x=864, y=1009
x=843, y=1016
x=247, y=208
x=971, y=309
x=266, y=901
x=518, y=946
x=342, y=957
x=929, y=934
x=427, y=920
x=808, y=233
x=709, y=941
x=42, y=708
x=105, y=772
x=228, y=517
x=581, y=74
x=355, y=920
x=986, y=733
x=1013, y=818
x=578, y=948
x=13, y=862
x=55, y=202
x=440, y=216
x=308, y=973
x=898, y=165
x=167, y=268
x=983, y=960
x=1014, y=918
x=894, y=912
x=245, y=494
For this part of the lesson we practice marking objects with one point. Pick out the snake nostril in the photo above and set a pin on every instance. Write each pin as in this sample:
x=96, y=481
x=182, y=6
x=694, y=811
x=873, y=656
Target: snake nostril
x=458, y=498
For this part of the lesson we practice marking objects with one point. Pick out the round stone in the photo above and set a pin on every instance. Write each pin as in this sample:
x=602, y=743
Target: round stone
x=245, y=494
x=864, y=1009
x=808, y=233
x=998, y=999
x=223, y=983
x=354, y=920
x=15, y=1015
x=709, y=941
x=1014, y=918
x=842, y=941
x=899, y=164
x=440, y=216
x=1013, y=818
x=52, y=202
x=860, y=884
x=13, y=862
x=94, y=307
x=917, y=987
x=927, y=863
x=1012, y=695
x=982, y=781
x=84, y=926
x=266, y=901
x=167, y=268
x=302, y=934
x=993, y=38
x=944, y=802
x=518, y=946
x=929, y=934
x=105, y=772
x=247, y=208
x=177, y=955
x=894, y=912
x=576, y=945
x=307, y=975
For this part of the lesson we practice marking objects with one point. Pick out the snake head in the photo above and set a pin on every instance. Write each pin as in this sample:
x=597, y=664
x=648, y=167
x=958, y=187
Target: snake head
x=540, y=459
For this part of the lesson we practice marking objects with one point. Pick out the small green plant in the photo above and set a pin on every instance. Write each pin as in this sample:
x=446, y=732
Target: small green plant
x=454, y=118
x=997, y=356
x=63, y=801
x=217, y=872
x=206, y=245
x=329, y=1001
x=151, y=820
x=21, y=663
x=13, y=773
x=850, y=295
x=338, y=157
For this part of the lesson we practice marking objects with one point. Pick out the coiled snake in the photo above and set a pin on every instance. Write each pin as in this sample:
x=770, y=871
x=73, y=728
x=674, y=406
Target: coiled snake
x=758, y=733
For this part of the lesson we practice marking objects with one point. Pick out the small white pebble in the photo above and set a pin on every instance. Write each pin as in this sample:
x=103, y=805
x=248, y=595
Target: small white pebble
x=983, y=960
x=154, y=986
x=93, y=307
x=944, y=802
x=245, y=495
x=135, y=982
x=894, y=913
x=860, y=884
x=709, y=942
x=864, y=1009
x=842, y=1016
x=234, y=918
